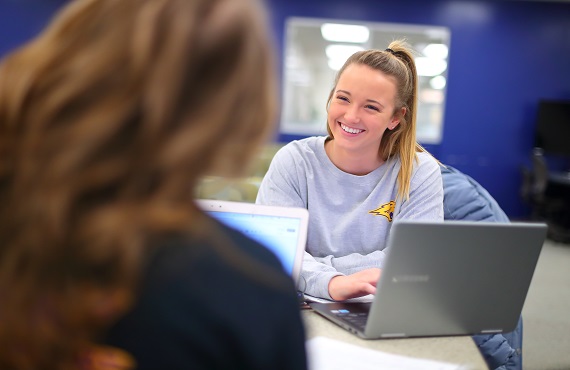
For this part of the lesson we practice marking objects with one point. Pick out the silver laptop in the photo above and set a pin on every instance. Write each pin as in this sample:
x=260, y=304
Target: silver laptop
x=447, y=278
x=283, y=230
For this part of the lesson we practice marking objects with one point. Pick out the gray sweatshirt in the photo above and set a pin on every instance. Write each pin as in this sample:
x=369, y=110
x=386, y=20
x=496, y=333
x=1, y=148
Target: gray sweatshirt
x=349, y=216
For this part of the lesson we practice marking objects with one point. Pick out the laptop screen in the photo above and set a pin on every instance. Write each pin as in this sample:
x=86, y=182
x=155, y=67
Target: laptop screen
x=279, y=234
x=283, y=230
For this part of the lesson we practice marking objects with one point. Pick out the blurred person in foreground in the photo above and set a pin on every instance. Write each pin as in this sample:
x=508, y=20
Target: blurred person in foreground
x=108, y=119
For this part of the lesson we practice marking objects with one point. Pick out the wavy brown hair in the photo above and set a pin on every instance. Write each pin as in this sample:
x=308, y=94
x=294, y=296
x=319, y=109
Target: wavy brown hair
x=396, y=61
x=107, y=121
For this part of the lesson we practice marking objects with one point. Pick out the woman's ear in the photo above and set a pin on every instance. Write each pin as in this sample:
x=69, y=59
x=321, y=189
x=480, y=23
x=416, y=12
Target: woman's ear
x=396, y=118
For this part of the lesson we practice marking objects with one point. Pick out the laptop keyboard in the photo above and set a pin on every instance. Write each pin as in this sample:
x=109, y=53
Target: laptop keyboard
x=356, y=319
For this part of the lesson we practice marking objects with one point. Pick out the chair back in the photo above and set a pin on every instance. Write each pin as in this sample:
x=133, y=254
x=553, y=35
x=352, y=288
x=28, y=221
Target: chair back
x=539, y=176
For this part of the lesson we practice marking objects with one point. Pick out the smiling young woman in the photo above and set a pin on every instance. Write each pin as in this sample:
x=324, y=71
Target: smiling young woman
x=368, y=172
x=359, y=113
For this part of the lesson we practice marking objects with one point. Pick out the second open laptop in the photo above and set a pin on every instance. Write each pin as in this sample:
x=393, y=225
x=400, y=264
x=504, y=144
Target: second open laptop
x=283, y=230
x=447, y=278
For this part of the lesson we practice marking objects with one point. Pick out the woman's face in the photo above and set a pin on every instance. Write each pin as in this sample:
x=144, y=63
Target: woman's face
x=361, y=109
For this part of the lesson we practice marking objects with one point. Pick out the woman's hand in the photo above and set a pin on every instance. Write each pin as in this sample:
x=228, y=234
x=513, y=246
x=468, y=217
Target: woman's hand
x=356, y=285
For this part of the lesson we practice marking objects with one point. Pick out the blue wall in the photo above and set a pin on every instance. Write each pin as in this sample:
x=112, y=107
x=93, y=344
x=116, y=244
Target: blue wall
x=22, y=19
x=504, y=57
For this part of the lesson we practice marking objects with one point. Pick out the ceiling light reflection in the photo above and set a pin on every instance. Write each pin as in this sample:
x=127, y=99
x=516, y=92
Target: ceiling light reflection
x=345, y=32
x=438, y=51
x=438, y=82
x=430, y=66
x=337, y=54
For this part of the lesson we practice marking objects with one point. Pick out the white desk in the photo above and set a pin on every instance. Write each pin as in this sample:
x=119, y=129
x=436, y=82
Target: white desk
x=459, y=350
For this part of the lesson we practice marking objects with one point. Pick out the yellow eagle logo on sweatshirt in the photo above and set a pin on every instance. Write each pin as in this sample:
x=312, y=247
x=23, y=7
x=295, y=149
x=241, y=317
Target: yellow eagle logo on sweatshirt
x=386, y=210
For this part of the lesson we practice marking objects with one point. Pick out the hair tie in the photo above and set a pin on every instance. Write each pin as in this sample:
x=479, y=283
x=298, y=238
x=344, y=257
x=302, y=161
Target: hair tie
x=390, y=51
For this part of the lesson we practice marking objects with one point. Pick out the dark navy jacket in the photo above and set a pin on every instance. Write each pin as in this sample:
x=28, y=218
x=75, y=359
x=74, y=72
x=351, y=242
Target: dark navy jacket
x=218, y=303
x=465, y=199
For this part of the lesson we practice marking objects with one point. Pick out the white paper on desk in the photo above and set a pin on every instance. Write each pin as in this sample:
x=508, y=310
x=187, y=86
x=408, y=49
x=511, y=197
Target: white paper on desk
x=330, y=354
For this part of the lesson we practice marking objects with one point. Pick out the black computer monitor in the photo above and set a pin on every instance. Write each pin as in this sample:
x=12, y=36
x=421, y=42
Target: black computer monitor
x=553, y=127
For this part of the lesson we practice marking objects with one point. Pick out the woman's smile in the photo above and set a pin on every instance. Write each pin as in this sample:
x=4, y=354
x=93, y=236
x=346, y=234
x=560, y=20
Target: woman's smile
x=350, y=130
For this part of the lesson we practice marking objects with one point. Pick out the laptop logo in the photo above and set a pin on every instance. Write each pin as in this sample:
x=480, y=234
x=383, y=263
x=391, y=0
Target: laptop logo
x=410, y=279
